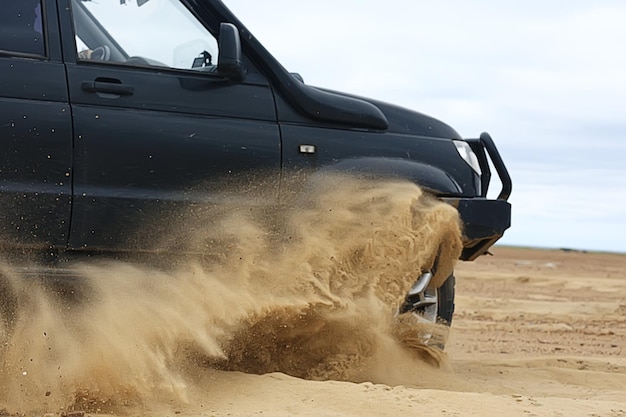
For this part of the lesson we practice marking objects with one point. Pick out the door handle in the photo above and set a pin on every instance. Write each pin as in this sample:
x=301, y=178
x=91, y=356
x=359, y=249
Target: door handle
x=108, y=87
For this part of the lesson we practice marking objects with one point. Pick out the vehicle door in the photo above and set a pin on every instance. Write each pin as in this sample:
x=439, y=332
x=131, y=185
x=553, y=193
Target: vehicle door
x=35, y=128
x=157, y=131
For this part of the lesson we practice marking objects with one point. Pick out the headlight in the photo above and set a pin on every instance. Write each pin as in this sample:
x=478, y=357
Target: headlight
x=468, y=155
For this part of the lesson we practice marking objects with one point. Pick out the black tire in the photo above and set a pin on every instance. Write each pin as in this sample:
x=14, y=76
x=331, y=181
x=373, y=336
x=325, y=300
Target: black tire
x=445, y=301
x=445, y=312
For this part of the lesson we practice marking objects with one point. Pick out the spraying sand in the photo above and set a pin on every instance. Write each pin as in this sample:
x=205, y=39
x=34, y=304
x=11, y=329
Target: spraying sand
x=309, y=291
x=535, y=333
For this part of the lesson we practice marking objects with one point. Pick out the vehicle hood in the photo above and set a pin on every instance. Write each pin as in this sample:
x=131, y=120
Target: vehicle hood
x=410, y=122
x=405, y=121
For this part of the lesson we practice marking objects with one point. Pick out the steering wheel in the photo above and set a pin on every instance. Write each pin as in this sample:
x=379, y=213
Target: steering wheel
x=101, y=53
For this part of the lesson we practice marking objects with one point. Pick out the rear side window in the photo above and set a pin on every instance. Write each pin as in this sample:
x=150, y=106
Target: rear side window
x=21, y=29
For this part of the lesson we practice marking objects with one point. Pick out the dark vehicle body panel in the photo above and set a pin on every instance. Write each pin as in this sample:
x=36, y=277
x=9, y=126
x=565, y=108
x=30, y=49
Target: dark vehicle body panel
x=135, y=154
x=35, y=132
x=92, y=152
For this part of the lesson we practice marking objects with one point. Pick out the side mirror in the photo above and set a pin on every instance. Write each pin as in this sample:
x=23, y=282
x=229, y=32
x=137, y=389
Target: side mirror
x=229, y=62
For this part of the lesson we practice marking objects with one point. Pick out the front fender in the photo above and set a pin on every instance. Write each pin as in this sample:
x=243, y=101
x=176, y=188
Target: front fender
x=430, y=178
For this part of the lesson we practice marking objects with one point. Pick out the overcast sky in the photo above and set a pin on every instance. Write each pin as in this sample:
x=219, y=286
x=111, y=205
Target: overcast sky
x=547, y=79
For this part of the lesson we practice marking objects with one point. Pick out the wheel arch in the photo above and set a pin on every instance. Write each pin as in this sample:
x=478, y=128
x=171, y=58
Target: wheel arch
x=429, y=177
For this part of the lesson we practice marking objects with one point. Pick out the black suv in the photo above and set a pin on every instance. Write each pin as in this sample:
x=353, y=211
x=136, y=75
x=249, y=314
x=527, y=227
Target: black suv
x=110, y=110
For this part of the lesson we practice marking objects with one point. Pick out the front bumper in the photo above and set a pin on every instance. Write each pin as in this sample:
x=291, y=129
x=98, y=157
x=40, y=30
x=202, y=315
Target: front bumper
x=484, y=220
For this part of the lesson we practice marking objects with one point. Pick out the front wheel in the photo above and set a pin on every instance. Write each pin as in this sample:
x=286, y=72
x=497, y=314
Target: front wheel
x=432, y=317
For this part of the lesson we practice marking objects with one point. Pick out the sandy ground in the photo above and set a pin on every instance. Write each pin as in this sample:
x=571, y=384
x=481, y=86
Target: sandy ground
x=536, y=333
x=304, y=325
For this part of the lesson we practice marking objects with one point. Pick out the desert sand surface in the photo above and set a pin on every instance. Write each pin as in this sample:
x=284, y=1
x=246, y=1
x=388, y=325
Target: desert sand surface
x=536, y=333
x=301, y=323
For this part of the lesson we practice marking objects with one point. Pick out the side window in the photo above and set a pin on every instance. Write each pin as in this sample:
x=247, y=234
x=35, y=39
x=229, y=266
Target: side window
x=161, y=33
x=21, y=28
